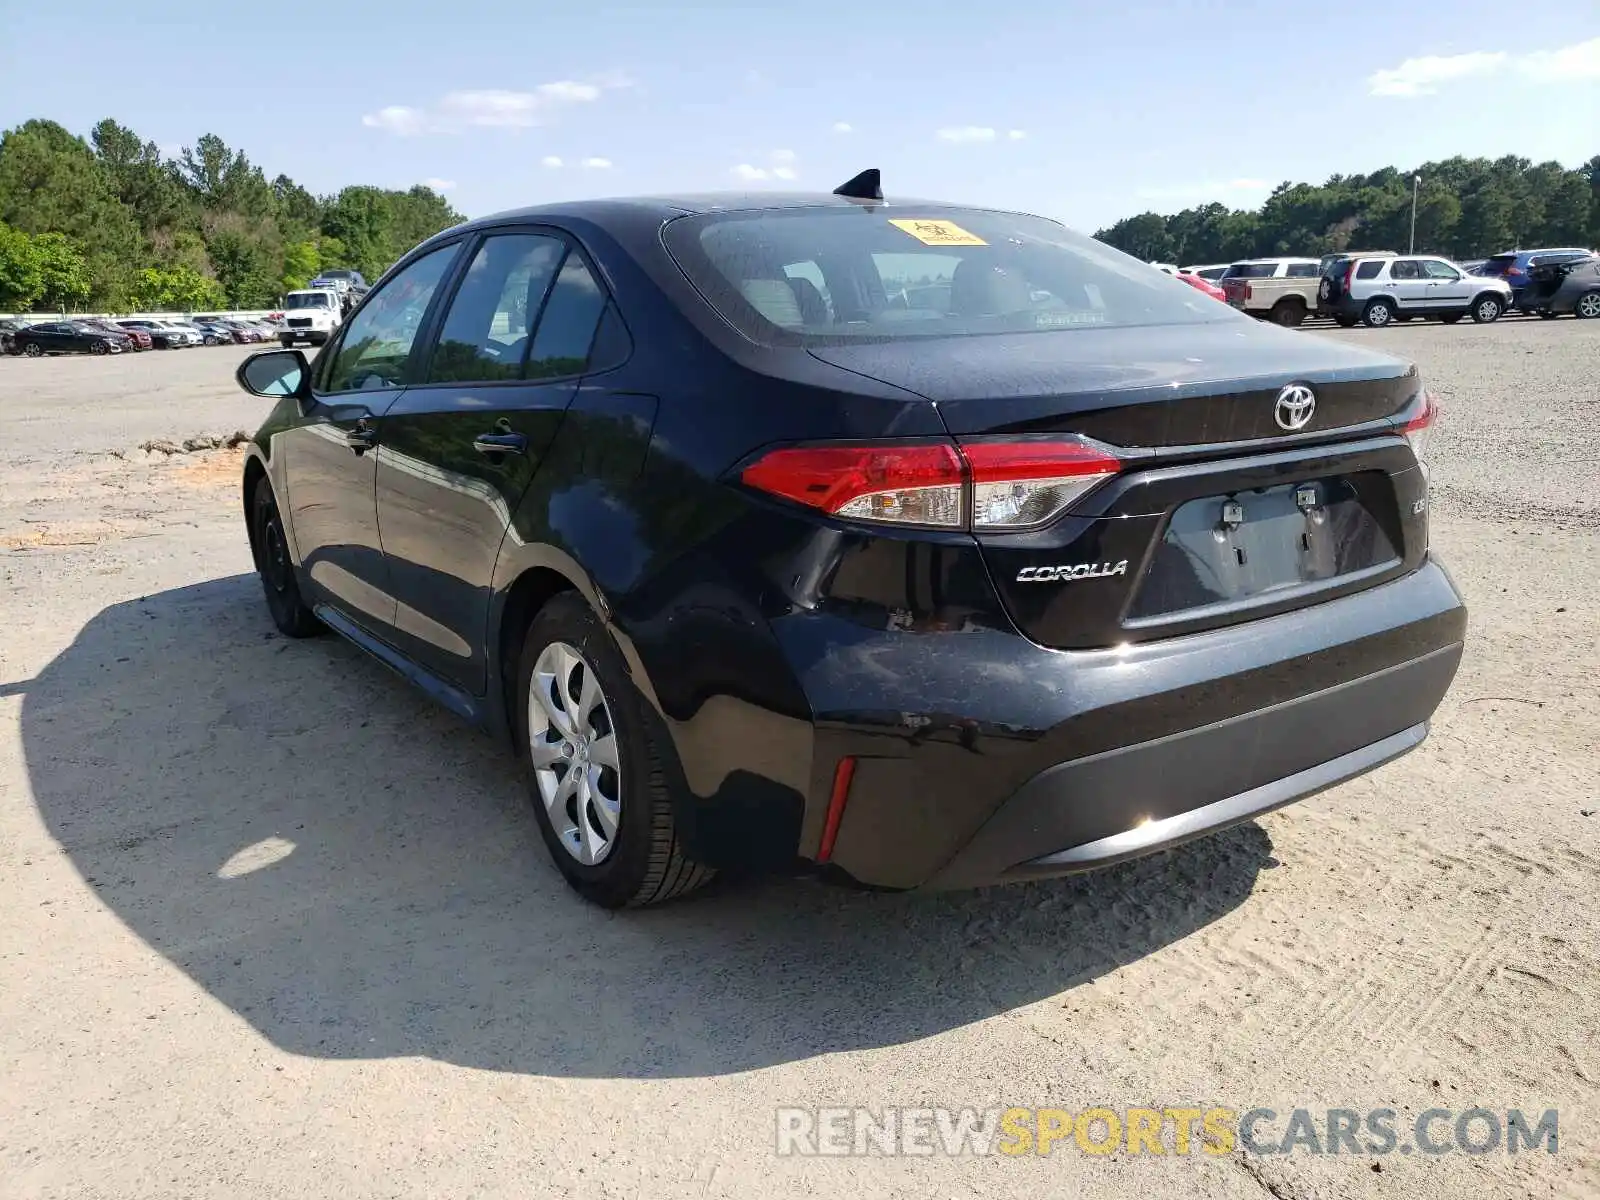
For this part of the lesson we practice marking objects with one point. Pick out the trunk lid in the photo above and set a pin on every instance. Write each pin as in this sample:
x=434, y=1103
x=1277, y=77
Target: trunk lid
x=1220, y=515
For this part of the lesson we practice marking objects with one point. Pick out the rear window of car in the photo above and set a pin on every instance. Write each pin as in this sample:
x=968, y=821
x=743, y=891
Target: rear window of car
x=1370, y=269
x=826, y=275
x=1499, y=264
x=1251, y=271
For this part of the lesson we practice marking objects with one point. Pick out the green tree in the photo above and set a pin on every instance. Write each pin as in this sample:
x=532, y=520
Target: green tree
x=21, y=280
x=63, y=273
x=301, y=262
x=180, y=289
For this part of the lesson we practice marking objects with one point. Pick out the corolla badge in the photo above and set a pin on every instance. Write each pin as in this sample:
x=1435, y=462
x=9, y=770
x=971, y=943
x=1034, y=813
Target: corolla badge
x=1067, y=572
x=1297, y=404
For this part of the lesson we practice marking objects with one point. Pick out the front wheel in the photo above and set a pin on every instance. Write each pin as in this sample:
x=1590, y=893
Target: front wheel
x=100, y=348
x=1487, y=309
x=1378, y=313
x=270, y=548
x=1588, y=306
x=598, y=774
x=33, y=350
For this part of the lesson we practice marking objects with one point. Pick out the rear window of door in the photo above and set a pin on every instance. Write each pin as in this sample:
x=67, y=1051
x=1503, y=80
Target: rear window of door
x=566, y=330
x=485, y=333
x=1370, y=269
x=1302, y=271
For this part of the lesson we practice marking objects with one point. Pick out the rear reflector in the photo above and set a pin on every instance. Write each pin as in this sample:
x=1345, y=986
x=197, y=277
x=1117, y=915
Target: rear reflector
x=843, y=775
x=982, y=485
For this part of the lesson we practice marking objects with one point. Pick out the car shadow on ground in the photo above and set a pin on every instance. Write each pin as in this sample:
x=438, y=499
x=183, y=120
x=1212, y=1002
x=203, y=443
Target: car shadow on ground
x=358, y=875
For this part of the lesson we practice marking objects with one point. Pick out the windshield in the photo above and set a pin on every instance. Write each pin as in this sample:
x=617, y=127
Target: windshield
x=308, y=300
x=816, y=276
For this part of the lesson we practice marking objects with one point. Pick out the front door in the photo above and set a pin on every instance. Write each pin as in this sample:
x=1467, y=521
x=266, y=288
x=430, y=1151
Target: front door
x=330, y=462
x=460, y=448
x=1448, y=287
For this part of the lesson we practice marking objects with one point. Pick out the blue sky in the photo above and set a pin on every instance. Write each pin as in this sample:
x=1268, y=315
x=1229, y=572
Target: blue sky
x=1082, y=111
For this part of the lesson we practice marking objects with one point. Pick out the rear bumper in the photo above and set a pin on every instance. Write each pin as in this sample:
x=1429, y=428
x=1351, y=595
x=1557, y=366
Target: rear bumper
x=1124, y=803
x=981, y=757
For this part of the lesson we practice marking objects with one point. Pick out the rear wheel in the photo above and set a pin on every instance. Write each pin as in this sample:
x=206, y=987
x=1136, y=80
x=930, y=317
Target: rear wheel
x=288, y=342
x=100, y=347
x=1288, y=312
x=1487, y=309
x=1588, y=306
x=270, y=547
x=598, y=773
x=1378, y=313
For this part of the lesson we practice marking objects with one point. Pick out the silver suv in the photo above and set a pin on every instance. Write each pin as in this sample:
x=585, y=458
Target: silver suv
x=1377, y=291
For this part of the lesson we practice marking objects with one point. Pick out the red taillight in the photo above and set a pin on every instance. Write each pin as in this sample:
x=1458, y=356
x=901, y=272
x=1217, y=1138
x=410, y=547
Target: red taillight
x=1349, y=275
x=1018, y=485
x=983, y=485
x=1419, y=428
x=906, y=485
x=1248, y=292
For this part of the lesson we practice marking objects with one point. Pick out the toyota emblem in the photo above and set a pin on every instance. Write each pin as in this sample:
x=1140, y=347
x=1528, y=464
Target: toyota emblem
x=1296, y=405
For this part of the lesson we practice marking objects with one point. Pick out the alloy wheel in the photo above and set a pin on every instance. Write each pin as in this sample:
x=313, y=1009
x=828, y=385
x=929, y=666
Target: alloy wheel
x=33, y=350
x=1588, y=306
x=573, y=745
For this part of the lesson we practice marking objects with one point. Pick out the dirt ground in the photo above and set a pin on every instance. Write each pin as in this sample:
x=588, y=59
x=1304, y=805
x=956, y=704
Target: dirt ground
x=275, y=925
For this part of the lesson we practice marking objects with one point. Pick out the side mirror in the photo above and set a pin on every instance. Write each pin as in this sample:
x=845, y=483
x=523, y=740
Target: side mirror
x=275, y=373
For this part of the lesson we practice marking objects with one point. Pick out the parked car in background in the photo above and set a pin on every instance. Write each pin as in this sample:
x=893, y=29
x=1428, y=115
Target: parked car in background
x=1513, y=267
x=1378, y=291
x=1473, y=266
x=161, y=337
x=9, y=326
x=1566, y=287
x=243, y=331
x=1204, y=285
x=1332, y=268
x=1211, y=272
x=212, y=333
x=68, y=337
x=1282, y=290
x=1072, y=571
x=138, y=338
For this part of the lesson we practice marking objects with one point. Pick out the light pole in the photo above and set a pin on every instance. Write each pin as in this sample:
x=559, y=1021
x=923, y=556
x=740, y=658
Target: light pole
x=1416, y=180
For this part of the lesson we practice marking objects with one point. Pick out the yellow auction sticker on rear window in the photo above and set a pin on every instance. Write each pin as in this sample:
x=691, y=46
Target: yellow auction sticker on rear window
x=938, y=233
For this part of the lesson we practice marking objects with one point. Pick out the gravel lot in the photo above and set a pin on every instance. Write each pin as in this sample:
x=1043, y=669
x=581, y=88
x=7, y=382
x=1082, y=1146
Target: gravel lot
x=274, y=925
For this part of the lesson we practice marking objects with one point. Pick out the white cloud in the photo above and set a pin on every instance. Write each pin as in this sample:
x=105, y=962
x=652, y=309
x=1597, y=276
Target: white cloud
x=782, y=167
x=1422, y=76
x=1016, y=135
x=493, y=108
x=1198, y=190
x=438, y=185
x=1425, y=76
x=597, y=164
x=551, y=160
x=1581, y=61
x=843, y=127
x=967, y=133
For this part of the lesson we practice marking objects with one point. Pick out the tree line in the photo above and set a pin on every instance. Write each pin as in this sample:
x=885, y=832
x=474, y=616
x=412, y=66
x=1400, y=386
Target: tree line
x=109, y=223
x=1466, y=208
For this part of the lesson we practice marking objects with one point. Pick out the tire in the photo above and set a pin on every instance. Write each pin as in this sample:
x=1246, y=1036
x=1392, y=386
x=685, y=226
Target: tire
x=1486, y=309
x=100, y=347
x=270, y=549
x=641, y=861
x=1289, y=312
x=288, y=342
x=1587, y=307
x=1378, y=313
x=1345, y=322
x=33, y=350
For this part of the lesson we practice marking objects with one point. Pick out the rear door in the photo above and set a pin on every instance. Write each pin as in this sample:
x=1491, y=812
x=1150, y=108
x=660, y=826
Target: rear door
x=1408, y=285
x=460, y=448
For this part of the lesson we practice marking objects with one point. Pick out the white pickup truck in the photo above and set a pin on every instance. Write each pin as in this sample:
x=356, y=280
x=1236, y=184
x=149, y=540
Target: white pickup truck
x=310, y=315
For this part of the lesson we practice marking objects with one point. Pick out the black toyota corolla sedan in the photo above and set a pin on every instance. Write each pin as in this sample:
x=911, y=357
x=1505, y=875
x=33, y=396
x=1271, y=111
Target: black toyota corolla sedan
x=925, y=546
